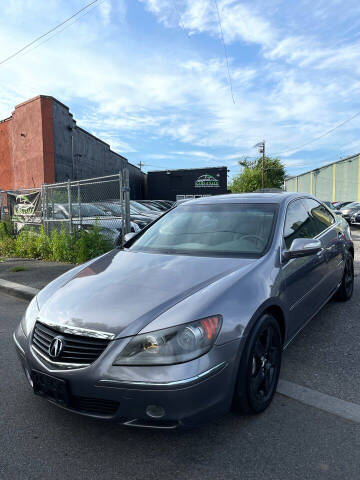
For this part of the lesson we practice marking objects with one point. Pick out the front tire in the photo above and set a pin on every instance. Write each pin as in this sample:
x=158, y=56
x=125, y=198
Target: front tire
x=259, y=367
x=346, y=288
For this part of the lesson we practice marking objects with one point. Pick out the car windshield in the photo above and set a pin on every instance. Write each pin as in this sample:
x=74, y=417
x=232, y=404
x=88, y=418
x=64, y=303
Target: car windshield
x=239, y=229
x=351, y=205
x=87, y=210
x=140, y=208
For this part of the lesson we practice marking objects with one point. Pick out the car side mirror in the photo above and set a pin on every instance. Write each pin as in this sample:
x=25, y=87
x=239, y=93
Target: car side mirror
x=302, y=247
x=129, y=236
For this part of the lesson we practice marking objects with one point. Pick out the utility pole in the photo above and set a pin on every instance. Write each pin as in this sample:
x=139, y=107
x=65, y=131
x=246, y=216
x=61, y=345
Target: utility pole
x=261, y=147
x=140, y=164
x=263, y=164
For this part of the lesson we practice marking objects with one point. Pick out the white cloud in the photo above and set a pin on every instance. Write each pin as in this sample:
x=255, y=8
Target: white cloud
x=196, y=153
x=289, y=87
x=105, y=10
x=238, y=20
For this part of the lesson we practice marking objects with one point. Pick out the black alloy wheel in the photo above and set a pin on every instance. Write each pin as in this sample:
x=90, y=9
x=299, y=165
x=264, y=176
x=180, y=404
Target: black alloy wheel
x=259, y=367
x=346, y=288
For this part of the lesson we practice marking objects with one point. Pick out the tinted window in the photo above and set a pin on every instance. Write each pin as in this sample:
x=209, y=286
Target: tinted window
x=298, y=223
x=321, y=217
x=219, y=229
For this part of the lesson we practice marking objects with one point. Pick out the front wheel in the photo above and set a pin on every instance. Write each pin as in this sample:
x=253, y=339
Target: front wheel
x=346, y=288
x=259, y=367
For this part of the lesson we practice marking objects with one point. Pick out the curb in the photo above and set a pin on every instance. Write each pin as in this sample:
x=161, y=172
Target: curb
x=18, y=290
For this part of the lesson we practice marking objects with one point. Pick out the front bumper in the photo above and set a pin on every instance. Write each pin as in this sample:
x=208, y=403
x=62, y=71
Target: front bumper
x=190, y=394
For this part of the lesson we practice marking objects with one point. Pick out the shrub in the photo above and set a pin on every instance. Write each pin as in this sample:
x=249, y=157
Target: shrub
x=25, y=244
x=59, y=246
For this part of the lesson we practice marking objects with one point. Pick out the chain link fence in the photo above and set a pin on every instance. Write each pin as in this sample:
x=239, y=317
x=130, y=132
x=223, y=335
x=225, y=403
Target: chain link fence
x=83, y=204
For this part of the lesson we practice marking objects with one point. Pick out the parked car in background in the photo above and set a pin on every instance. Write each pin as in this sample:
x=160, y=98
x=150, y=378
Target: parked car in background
x=331, y=206
x=339, y=205
x=138, y=208
x=355, y=218
x=162, y=205
x=86, y=215
x=217, y=288
x=337, y=212
x=150, y=204
x=349, y=210
x=113, y=208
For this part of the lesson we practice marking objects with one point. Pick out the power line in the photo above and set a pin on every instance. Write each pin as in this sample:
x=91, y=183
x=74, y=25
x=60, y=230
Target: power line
x=64, y=28
x=48, y=32
x=225, y=50
x=320, y=136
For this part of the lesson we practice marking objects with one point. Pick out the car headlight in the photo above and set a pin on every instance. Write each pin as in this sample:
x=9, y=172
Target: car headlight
x=30, y=316
x=171, y=345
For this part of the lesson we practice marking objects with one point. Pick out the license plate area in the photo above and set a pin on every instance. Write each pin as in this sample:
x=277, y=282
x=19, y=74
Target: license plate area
x=50, y=387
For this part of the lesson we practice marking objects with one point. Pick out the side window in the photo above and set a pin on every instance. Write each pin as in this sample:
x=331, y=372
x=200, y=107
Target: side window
x=320, y=215
x=298, y=224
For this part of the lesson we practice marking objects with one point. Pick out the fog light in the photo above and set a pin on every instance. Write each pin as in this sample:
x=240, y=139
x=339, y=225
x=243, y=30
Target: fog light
x=155, y=411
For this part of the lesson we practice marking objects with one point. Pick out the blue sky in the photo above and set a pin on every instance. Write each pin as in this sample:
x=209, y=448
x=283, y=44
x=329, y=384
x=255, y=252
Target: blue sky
x=150, y=76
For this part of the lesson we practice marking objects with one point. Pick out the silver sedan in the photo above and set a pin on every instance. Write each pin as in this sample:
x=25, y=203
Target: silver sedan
x=191, y=316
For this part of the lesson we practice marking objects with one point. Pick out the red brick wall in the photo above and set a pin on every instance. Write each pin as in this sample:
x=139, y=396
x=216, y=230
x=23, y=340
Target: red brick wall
x=5, y=163
x=29, y=160
x=48, y=140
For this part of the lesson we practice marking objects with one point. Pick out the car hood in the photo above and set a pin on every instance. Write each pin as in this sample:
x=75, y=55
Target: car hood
x=122, y=291
x=349, y=210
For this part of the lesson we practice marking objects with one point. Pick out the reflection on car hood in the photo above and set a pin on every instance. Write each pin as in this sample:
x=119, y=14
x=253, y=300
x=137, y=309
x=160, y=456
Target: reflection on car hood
x=127, y=290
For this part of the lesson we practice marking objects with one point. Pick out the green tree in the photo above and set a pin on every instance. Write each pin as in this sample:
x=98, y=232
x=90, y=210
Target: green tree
x=251, y=177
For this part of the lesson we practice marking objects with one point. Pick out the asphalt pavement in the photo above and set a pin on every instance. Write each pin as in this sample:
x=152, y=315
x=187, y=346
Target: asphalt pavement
x=290, y=440
x=34, y=273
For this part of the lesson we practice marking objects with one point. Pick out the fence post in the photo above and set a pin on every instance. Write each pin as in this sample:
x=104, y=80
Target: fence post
x=121, y=196
x=70, y=206
x=127, y=200
x=79, y=204
x=44, y=202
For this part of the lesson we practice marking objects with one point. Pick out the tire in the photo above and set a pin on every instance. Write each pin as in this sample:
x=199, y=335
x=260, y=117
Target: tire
x=346, y=288
x=259, y=367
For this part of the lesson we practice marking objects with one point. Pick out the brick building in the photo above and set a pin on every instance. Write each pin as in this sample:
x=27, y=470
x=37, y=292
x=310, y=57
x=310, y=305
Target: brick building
x=41, y=143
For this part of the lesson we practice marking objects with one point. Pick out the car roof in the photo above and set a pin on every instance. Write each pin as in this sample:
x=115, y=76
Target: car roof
x=278, y=197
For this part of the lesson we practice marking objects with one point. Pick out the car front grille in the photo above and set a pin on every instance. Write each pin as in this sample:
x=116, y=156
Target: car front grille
x=97, y=406
x=76, y=349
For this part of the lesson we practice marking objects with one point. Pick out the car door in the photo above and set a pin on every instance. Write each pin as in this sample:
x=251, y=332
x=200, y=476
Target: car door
x=330, y=233
x=301, y=276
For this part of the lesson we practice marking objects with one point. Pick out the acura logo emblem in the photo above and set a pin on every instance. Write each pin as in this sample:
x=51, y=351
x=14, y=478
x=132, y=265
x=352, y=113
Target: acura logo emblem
x=55, y=347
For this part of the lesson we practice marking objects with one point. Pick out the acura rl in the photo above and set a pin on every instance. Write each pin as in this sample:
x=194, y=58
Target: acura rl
x=189, y=319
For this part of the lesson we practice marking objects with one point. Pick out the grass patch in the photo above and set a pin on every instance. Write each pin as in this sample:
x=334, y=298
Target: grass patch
x=59, y=246
x=19, y=269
